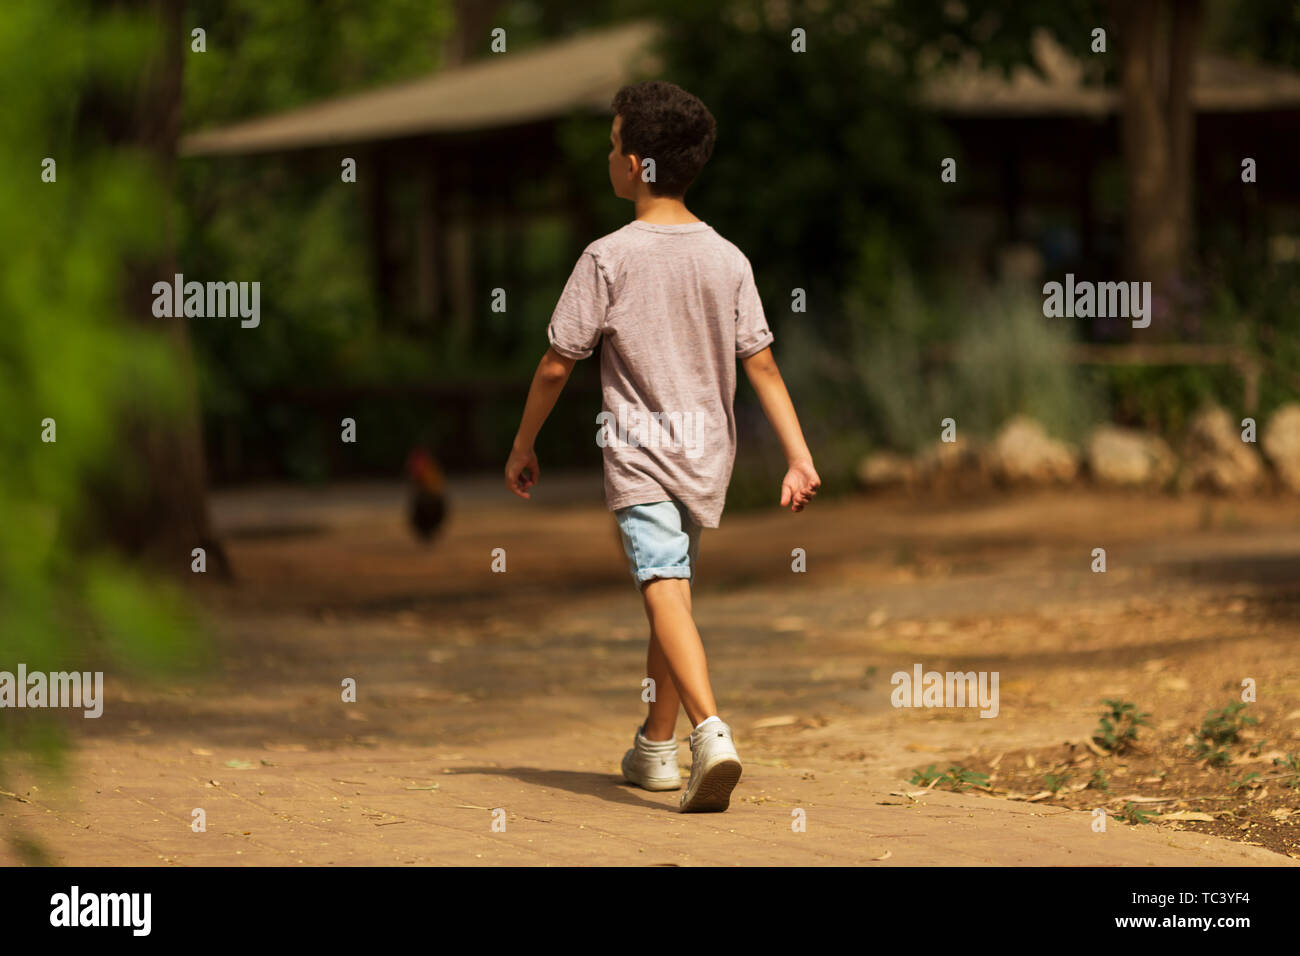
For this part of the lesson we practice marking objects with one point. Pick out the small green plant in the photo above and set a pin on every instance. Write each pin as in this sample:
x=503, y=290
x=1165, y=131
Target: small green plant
x=1290, y=765
x=1117, y=731
x=1054, y=782
x=1133, y=814
x=954, y=778
x=925, y=777
x=1246, y=781
x=1220, y=730
x=1098, y=781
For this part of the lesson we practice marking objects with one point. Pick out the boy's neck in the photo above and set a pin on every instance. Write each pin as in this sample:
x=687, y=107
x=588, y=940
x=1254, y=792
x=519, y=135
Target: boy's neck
x=663, y=210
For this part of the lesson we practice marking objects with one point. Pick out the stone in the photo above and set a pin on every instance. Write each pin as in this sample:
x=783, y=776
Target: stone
x=1281, y=444
x=1023, y=453
x=1127, y=458
x=885, y=469
x=1215, y=458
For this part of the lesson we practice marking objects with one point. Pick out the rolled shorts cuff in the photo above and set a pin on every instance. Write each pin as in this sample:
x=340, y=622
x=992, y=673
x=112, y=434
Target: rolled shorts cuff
x=645, y=575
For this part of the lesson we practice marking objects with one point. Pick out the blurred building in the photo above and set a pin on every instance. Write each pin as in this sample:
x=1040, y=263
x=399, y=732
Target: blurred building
x=1041, y=159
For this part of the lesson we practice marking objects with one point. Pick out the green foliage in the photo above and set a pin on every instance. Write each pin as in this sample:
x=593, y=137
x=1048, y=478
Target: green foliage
x=955, y=778
x=1219, y=730
x=263, y=56
x=1010, y=360
x=1250, y=780
x=912, y=361
x=289, y=222
x=1259, y=30
x=1133, y=814
x=1118, y=729
x=850, y=103
x=1098, y=781
x=854, y=190
x=71, y=355
x=1290, y=765
x=1055, y=781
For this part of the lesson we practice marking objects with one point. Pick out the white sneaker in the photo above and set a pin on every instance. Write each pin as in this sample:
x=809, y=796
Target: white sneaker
x=652, y=764
x=715, y=770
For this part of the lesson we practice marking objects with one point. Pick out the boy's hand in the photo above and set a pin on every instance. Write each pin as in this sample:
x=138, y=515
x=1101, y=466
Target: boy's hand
x=552, y=372
x=800, y=485
x=801, y=481
x=522, y=471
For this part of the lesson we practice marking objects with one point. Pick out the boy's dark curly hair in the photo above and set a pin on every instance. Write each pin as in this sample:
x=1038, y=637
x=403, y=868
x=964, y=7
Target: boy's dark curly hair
x=661, y=121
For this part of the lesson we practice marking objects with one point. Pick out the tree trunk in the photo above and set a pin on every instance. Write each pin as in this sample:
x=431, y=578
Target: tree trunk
x=1184, y=32
x=470, y=36
x=1159, y=39
x=165, y=515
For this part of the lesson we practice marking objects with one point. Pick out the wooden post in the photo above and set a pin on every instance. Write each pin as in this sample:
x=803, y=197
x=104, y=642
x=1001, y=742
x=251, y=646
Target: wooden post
x=377, y=212
x=1087, y=222
x=1250, y=376
x=428, y=281
x=460, y=264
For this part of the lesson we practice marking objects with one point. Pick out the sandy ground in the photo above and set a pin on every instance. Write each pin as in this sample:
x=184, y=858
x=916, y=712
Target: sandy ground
x=519, y=691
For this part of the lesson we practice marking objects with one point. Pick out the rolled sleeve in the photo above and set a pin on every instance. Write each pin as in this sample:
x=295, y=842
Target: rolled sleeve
x=752, y=333
x=579, y=317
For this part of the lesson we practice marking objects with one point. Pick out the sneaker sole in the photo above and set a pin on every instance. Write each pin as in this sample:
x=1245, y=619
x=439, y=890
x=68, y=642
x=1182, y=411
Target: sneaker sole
x=713, y=795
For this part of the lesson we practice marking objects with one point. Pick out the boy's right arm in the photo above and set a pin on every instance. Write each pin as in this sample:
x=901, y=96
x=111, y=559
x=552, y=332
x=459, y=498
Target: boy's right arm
x=801, y=480
x=552, y=372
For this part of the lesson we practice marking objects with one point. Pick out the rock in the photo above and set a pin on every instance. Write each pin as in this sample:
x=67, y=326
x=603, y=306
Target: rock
x=1023, y=453
x=1281, y=444
x=885, y=469
x=1129, y=458
x=959, y=466
x=1215, y=457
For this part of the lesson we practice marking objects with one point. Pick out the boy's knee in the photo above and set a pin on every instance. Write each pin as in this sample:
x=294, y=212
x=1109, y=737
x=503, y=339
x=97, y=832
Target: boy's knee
x=659, y=591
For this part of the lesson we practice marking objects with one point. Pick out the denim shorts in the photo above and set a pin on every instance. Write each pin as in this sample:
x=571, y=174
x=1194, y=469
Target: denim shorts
x=660, y=539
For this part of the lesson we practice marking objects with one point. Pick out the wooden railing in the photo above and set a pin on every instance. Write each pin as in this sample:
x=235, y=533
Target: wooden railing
x=1249, y=365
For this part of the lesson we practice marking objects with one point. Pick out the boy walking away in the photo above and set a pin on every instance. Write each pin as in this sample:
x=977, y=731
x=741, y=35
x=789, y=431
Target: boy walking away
x=675, y=306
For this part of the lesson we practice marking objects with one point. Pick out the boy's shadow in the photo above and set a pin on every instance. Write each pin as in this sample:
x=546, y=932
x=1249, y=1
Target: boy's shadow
x=607, y=786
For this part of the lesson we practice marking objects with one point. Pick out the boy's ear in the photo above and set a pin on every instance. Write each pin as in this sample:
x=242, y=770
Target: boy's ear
x=633, y=163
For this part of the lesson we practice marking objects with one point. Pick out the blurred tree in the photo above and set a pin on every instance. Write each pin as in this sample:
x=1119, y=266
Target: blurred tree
x=287, y=221
x=158, y=507
x=265, y=56
x=75, y=366
x=818, y=168
x=473, y=19
x=821, y=170
x=1265, y=31
x=1157, y=42
x=1158, y=45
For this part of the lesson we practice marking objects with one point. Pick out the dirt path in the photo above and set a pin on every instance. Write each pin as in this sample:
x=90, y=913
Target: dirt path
x=520, y=690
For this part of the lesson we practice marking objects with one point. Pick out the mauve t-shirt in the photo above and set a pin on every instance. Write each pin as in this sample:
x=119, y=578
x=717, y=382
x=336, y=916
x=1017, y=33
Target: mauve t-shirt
x=675, y=306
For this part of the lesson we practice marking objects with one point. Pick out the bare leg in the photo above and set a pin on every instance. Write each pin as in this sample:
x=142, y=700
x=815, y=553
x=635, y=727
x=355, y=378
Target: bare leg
x=676, y=652
x=661, y=721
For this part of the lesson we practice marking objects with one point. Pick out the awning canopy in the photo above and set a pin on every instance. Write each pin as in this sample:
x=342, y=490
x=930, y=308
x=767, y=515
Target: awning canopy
x=502, y=90
x=1057, y=87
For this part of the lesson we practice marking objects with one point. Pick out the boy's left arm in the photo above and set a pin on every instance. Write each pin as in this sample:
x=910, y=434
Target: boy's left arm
x=801, y=481
x=522, y=470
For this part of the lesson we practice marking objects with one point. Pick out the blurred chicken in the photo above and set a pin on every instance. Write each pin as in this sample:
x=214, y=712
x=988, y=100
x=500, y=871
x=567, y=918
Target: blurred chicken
x=428, y=505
